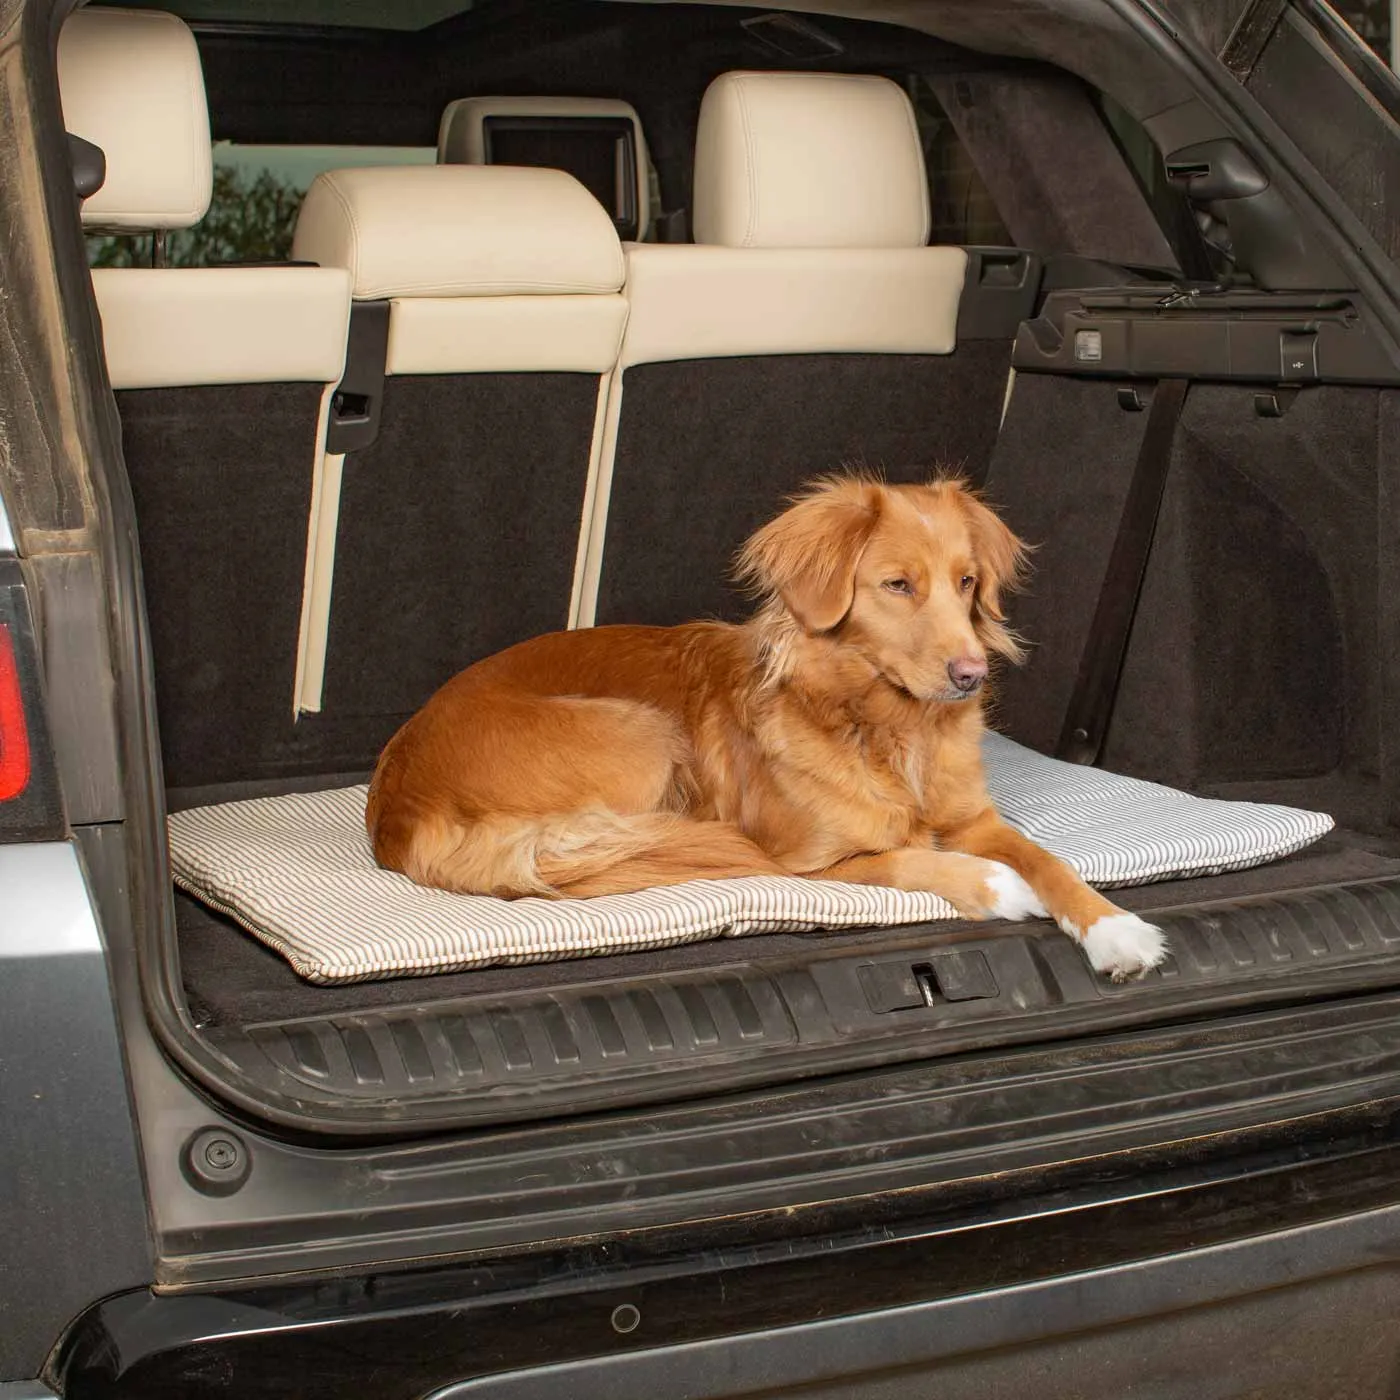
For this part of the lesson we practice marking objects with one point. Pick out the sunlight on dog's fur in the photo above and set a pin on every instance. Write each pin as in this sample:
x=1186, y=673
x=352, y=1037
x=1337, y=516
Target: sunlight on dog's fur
x=835, y=735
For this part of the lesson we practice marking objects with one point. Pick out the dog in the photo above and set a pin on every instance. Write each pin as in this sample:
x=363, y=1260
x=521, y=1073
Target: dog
x=835, y=735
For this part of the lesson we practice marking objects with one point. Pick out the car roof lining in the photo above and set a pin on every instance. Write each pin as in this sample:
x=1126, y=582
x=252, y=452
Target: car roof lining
x=1090, y=38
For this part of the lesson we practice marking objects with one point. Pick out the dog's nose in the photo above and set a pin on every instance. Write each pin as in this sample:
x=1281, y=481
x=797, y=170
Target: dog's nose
x=967, y=673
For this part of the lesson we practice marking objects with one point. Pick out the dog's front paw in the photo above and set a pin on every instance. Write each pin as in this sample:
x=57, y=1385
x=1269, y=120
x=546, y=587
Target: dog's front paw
x=1010, y=897
x=1122, y=946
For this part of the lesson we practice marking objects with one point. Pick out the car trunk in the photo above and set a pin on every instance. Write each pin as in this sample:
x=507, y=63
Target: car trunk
x=1260, y=664
x=1251, y=674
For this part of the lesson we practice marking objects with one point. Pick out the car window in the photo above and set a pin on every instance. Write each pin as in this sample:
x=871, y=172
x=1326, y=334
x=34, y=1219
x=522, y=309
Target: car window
x=1350, y=123
x=1371, y=21
x=257, y=192
x=962, y=206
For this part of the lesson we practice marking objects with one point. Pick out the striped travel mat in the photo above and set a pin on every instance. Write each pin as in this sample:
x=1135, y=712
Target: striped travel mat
x=298, y=873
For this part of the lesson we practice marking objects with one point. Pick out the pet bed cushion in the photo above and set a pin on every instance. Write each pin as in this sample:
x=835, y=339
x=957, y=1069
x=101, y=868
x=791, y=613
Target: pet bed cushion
x=297, y=872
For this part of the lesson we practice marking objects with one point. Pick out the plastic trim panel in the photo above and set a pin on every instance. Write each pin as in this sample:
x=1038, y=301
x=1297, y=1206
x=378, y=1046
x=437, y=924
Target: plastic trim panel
x=923, y=992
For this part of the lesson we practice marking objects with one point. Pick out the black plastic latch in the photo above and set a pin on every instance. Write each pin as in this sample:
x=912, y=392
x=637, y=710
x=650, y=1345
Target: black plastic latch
x=955, y=975
x=1274, y=403
x=999, y=292
x=963, y=975
x=891, y=986
x=89, y=166
x=359, y=397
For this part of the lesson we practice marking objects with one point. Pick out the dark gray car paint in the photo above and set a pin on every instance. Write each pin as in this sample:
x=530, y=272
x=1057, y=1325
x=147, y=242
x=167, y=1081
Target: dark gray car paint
x=75, y=1214
x=1319, y=1296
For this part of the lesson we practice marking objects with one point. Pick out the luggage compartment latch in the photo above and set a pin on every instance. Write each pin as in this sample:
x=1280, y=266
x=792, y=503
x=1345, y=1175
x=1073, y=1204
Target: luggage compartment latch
x=949, y=976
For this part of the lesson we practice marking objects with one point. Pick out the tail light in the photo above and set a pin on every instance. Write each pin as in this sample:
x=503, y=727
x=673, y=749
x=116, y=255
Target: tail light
x=14, y=729
x=30, y=809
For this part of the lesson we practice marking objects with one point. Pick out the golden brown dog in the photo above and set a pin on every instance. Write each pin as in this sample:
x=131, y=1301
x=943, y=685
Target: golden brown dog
x=835, y=735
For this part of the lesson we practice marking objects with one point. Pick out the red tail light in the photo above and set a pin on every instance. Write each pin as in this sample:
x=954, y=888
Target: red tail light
x=30, y=806
x=14, y=733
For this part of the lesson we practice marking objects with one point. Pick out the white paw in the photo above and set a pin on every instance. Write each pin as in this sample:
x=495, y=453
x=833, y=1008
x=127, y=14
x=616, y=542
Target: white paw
x=1010, y=896
x=1121, y=945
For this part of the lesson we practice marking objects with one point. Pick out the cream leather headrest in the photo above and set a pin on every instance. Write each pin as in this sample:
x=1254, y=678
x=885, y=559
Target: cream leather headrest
x=808, y=160
x=131, y=82
x=459, y=230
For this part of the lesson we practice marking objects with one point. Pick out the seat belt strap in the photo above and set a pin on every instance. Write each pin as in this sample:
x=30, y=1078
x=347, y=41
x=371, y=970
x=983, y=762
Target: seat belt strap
x=1101, y=664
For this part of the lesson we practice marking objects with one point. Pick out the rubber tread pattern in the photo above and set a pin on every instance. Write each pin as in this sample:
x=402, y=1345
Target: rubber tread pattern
x=596, y=1044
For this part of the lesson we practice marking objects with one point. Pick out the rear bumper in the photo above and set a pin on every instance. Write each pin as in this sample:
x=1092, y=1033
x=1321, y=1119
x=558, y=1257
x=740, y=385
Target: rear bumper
x=1314, y=1311
x=1280, y=1276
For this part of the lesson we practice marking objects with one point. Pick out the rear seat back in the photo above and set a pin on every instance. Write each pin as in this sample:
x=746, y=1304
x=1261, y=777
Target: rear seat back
x=810, y=328
x=222, y=377
x=460, y=525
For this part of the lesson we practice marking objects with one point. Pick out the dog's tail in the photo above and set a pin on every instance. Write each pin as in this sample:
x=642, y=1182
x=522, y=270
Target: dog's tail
x=576, y=854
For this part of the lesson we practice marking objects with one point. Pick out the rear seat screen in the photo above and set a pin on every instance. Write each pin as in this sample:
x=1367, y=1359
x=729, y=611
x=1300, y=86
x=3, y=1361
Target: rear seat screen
x=599, y=152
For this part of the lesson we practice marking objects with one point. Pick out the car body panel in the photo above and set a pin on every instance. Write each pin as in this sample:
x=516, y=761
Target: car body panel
x=75, y=1219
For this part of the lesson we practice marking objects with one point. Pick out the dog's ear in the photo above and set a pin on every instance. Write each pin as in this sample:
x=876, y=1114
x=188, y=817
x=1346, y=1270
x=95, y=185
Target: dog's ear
x=808, y=555
x=1001, y=565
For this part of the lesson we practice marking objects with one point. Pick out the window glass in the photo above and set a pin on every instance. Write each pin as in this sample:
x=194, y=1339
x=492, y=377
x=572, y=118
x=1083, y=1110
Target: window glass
x=962, y=207
x=257, y=192
x=357, y=14
x=1348, y=125
x=1370, y=19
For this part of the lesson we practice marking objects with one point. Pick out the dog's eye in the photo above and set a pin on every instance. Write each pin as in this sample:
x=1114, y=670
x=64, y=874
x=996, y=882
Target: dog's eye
x=967, y=582
x=899, y=585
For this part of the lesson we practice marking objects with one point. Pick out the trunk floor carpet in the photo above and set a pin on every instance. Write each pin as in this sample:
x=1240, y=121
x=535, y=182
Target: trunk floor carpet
x=297, y=871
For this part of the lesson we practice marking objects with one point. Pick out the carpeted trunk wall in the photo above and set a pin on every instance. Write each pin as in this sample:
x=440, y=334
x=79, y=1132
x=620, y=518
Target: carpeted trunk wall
x=1264, y=633
x=458, y=531
x=708, y=450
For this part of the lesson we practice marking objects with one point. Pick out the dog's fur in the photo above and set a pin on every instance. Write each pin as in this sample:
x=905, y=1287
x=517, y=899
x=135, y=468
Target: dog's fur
x=827, y=737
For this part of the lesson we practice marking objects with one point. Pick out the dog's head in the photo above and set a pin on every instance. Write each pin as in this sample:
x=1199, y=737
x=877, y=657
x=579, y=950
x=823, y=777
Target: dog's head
x=912, y=577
